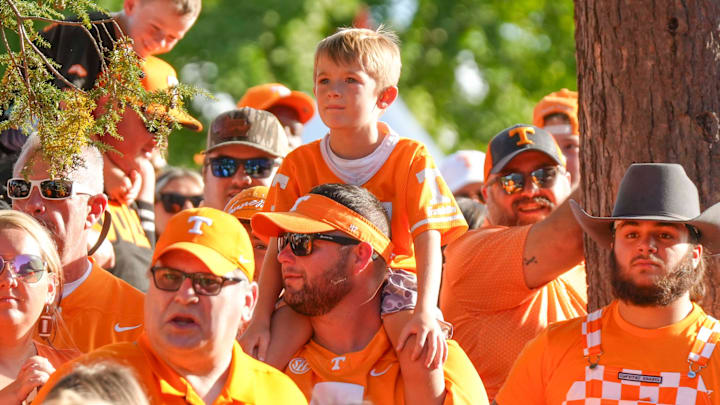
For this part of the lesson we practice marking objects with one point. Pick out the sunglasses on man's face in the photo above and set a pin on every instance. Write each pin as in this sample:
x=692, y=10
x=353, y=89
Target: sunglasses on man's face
x=513, y=183
x=19, y=188
x=169, y=279
x=28, y=268
x=174, y=202
x=257, y=168
x=301, y=244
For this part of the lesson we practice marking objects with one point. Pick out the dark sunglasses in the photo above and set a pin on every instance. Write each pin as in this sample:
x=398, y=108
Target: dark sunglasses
x=18, y=188
x=513, y=183
x=168, y=279
x=28, y=268
x=301, y=243
x=174, y=203
x=257, y=168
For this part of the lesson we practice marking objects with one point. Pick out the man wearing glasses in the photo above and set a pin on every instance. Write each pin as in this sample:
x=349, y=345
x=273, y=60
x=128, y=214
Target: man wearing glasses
x=199, y=295
x=244, y=149
x=97, y=308
x=334, y=252
x=522, y=270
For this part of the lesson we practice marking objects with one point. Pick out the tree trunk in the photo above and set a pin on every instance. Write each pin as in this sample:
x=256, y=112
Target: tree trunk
x=649, y=84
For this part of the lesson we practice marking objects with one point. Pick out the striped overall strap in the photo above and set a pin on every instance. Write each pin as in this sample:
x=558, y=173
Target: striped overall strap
x=592, y=347
x=705, y=342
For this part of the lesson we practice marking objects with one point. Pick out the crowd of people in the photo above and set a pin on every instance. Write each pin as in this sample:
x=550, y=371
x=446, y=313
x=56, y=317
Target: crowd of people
x=349, y=270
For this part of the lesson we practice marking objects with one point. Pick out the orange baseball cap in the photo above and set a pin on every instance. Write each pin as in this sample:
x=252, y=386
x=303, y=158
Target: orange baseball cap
x=213, y=236
x=314, y=213
x=559, y=102
x=267, y=95
x=247, y=203
x=160, y=75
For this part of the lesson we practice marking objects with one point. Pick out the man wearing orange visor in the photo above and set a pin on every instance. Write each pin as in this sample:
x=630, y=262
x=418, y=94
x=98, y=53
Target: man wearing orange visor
x=334, y=248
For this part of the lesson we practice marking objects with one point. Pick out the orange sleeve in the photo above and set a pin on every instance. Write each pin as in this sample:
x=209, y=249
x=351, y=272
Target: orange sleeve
x=429, y=203
x=285, y=187
x=484, y=269
x=462, y=382
x=527, y=381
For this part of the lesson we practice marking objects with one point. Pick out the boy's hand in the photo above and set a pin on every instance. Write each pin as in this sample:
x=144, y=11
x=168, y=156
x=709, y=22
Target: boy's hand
x=118, y=185
x=256, y=339
x=424, y=325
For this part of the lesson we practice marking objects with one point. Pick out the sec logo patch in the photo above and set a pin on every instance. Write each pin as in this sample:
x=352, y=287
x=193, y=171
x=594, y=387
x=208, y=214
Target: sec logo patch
x=298, y=365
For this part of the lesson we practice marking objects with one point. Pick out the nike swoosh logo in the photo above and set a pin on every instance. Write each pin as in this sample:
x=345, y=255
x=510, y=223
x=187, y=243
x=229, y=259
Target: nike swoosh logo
x=378, y=374
x=119, y=328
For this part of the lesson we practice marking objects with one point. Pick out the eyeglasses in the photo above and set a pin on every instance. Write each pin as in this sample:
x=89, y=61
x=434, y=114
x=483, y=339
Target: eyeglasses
x=168, y=279
x=28, y=268
x=301, y=244
x=19, y=189
x=513, y=183
x=257, y=168
x=174, y=203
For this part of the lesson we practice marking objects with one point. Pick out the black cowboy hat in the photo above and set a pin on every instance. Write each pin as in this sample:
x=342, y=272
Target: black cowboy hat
x=655, y=192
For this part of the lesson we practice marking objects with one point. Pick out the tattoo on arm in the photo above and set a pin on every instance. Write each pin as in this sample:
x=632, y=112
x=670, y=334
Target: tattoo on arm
x=529, y=261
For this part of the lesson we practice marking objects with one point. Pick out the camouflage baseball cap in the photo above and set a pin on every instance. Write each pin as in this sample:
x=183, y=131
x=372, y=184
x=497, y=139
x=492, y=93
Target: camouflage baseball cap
x=250, y=127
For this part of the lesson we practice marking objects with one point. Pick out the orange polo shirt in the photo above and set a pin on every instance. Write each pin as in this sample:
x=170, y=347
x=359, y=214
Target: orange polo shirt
x=249, y=381
x=374, y=374
x=102, y=310
x=494, y=313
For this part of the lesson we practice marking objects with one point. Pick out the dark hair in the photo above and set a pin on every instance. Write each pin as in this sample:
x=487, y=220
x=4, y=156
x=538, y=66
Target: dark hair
x=359, y=200
x=473, y=211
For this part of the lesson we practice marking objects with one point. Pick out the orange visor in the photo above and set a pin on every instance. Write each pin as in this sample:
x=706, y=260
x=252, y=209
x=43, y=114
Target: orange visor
x=314, y=213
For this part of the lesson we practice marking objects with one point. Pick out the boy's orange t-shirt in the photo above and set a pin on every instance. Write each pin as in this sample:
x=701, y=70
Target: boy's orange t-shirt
x=374, y=374
x=102, y=310
x=408, y=184
x=550, y=364
x=494, y=313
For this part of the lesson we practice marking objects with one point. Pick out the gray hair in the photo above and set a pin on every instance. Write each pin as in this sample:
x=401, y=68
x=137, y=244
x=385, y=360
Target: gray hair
x=89, y=173
x=173, y=173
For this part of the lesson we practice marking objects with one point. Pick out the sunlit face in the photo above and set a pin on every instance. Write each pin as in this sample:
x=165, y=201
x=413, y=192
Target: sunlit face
x=290, y=120
x=654, y=259
x=347, y=96
x=183, y=323
x=21, y=303
x=568, y=142
x=67, y=220
x=259, y=249
x=155, y=26
x=316, y=283
x=533, y=203
x=219, y=190
x=184, y=186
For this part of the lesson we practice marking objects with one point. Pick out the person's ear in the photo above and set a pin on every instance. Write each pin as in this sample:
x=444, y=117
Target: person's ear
x=96, y=208
x=363, y=257
x=52, y=288
x=248, y=306
x=129, y=6
x=697, y=251
x=387, y=97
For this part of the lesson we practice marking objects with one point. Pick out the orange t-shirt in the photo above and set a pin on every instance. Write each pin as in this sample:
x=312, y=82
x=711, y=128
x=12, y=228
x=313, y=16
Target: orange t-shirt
x=56, y=357
x=374, y=374
x=495, y=314
x=408, y=184
x=102, y=310
x=552, y=362
x=249, y=381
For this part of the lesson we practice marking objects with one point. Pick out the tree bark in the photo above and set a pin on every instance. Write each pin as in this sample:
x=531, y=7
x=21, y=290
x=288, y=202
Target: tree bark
x=649, y=84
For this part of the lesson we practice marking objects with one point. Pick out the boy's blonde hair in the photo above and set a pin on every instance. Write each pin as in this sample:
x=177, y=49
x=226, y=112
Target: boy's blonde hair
x=183, y=7
x=377, y=52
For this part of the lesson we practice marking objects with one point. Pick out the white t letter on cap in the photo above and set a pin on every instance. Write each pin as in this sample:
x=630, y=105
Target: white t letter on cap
x=197, y=223
x=298, y=201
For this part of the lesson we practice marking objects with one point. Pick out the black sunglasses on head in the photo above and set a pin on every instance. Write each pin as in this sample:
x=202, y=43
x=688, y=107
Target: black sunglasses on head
x=169, y=279
x=513, y=183
x=301, y=244
x=257, y=168
x=174, y=202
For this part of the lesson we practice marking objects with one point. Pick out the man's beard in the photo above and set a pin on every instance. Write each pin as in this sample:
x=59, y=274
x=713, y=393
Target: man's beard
x=323, y=294
x=668, y=288
x=512, y=218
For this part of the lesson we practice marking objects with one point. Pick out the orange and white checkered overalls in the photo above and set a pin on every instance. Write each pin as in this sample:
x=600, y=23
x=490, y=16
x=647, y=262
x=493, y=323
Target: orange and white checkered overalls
x=611, y=385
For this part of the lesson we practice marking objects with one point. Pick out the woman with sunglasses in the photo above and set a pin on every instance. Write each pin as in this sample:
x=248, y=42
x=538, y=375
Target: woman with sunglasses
x=176, y=189
x=30, y=284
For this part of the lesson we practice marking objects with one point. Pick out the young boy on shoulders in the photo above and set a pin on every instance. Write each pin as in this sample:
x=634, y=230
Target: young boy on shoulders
x=355, y=81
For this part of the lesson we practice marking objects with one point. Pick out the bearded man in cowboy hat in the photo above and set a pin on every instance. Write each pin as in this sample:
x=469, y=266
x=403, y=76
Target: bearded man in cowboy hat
x=653, y=343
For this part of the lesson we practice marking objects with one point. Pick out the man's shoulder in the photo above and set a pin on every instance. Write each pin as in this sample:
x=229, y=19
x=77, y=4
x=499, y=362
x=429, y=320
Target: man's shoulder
x=121, y=289
x=491, y=240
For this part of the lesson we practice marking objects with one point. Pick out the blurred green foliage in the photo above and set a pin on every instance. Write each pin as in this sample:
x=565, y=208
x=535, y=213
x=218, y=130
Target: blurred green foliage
x=508, y=55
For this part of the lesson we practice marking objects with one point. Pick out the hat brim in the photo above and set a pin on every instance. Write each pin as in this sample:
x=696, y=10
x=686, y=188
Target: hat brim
x=272, y=224
x=244, y=143
x=497, y=167
x=178, y=116
x=215, y=262
x=600, y=228
x=300, y=102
